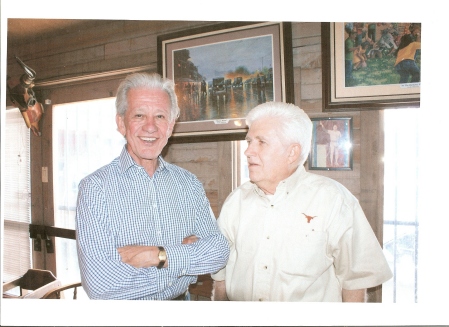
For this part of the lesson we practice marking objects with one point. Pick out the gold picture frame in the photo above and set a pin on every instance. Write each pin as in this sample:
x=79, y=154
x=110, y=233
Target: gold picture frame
x=223, y=70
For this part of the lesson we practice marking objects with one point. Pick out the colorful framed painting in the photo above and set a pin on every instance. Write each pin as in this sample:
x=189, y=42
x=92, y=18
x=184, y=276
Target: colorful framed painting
x=331, y=144
x=224, y=70
x=371, y=65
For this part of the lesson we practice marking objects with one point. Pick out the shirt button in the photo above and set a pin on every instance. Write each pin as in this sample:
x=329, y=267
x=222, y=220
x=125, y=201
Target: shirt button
x=260, y=299
x=265, y=267
x=268, y=237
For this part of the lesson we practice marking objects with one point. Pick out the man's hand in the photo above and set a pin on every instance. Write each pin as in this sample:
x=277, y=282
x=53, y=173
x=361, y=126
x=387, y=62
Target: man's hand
x=190, y=239
x=139, y=256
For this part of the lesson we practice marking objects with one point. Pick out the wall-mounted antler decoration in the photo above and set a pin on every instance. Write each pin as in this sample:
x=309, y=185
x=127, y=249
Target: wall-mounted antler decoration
x=22, y=95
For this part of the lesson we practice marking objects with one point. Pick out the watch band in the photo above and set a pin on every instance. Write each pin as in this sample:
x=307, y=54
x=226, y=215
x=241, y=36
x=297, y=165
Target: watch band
x=162, y=257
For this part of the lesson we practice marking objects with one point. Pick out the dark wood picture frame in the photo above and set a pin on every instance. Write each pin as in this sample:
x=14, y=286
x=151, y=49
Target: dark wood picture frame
x=172, y=47
x=338, y=97
x=332, y=144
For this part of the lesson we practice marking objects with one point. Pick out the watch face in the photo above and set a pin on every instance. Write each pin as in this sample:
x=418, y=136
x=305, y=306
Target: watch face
x=162, y=255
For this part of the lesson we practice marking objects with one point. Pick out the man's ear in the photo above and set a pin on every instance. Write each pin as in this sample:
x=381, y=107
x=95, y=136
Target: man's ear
x=294, y=151
x=120, y=121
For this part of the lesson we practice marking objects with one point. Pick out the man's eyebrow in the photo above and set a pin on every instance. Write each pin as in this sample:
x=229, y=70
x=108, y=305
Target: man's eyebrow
x=260, y=138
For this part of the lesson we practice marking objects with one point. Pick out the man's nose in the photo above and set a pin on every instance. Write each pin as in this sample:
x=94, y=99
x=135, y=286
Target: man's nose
x=249, y=151
x=150, y=124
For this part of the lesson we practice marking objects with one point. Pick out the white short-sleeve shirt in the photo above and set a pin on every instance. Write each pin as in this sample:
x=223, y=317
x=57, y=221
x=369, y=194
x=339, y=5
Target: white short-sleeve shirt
x=305, y=243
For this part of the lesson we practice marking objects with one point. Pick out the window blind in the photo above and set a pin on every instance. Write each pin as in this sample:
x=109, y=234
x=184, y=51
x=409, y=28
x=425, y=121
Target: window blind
x=16, y=196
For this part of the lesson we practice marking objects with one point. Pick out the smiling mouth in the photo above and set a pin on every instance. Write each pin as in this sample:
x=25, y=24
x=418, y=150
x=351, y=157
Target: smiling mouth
x=148, y=139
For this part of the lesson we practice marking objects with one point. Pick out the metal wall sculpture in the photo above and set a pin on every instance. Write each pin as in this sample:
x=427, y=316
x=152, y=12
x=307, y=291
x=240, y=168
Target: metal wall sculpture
x=22, y=95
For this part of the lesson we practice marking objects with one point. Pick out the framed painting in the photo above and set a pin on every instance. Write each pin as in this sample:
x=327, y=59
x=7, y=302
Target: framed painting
x=331, y=144
x=224, y=70
x=370, y=65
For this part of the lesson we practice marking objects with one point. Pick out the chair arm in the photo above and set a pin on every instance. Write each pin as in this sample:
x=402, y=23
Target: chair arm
x=60, y=289
x=11, y=284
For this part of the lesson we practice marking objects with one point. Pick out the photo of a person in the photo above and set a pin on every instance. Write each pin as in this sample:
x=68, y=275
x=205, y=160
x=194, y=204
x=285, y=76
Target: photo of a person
x=331, y=144
x=333, y=150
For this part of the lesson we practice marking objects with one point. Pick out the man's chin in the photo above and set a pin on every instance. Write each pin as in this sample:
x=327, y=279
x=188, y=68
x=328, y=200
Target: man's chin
x=254, y=178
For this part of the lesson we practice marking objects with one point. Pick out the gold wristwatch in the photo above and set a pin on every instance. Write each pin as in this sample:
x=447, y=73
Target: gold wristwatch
x=162, y=257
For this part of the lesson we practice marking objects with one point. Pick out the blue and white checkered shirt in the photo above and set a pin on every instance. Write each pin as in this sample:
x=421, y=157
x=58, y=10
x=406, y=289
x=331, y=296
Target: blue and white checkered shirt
x=119, y=205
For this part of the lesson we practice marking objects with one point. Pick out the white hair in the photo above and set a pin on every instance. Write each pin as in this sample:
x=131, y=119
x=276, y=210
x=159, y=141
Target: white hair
x=296, y=126
x=150, y=81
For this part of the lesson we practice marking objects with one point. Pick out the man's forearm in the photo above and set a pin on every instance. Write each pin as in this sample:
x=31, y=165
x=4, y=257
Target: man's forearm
x=354, y=295
x=140, y=256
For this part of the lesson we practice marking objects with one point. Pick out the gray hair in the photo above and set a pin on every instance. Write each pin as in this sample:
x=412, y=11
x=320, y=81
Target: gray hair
x=296, y=126
x=150, y=81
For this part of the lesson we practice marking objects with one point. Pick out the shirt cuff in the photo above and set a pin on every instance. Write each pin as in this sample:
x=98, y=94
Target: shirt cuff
x=178, y=258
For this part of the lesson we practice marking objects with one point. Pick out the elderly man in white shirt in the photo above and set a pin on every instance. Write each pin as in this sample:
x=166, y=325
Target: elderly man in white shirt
x=293, y=235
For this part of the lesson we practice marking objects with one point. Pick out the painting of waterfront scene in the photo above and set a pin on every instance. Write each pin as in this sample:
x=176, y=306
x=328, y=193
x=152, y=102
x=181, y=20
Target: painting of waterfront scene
x=223, y=80
x=221, y=75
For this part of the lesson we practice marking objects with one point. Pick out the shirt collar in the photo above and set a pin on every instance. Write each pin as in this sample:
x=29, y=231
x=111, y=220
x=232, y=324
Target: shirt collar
x=294, y=179
x=126, y=161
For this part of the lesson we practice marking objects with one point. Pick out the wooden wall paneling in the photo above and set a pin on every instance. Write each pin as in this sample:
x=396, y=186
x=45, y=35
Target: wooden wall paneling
x=307, y=65
x=100, y=46
x=86, y=36
x=200, y=159
x=306, y=33
x=84, y=90
x=297, y=86
x=226, y=172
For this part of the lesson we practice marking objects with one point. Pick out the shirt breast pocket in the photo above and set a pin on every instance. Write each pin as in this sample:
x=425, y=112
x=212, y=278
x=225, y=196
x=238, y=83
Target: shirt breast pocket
x=304, y=253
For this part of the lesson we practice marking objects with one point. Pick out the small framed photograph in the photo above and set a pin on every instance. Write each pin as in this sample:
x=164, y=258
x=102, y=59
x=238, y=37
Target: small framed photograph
x=331, y=144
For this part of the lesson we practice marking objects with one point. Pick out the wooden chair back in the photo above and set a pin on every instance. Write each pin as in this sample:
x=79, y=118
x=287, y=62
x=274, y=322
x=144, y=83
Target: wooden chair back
x=34, y=284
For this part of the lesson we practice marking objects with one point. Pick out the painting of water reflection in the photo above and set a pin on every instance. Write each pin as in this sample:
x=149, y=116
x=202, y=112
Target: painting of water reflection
x=225, y=79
